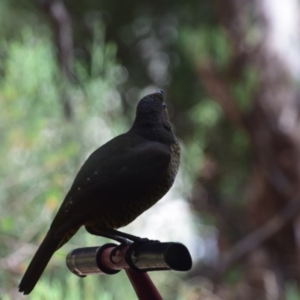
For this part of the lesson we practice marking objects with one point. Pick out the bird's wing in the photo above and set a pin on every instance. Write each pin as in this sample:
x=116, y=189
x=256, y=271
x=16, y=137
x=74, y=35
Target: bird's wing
x=122, y=168
x=121, y=157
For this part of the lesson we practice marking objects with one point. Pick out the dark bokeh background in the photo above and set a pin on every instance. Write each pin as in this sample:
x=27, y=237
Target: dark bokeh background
x=71, y=74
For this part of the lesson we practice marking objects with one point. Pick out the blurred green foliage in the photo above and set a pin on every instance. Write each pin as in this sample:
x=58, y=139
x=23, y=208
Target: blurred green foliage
x=39, y=152
x=292, y=291
x=40, y=149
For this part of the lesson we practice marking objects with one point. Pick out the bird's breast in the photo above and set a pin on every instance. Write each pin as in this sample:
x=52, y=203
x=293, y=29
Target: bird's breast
x=174, y=163
x=166, y=180
x=126, y=211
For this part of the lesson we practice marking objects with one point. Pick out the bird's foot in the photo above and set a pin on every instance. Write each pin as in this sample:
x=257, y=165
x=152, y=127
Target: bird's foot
x=141, y=241
x=125, y=244
x=132, y=245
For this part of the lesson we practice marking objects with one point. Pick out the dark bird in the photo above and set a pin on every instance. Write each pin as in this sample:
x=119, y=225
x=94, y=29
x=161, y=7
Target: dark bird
x=117, y=183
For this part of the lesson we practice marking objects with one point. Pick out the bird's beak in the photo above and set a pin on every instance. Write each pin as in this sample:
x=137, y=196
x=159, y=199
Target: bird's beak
x=160, y=91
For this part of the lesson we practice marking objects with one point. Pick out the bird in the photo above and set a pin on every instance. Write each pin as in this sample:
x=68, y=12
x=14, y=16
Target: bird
x=117, y=183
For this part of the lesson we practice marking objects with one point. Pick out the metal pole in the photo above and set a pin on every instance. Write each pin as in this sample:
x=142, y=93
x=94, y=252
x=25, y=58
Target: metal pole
x=136, y=259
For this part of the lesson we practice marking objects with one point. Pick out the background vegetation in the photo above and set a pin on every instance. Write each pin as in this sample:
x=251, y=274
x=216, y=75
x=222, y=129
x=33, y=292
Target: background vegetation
x=71, y=74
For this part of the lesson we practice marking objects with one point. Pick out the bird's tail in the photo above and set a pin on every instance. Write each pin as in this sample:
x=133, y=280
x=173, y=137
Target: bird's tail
x=39, y=262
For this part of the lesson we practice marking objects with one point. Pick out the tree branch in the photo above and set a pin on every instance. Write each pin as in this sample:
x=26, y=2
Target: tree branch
x=251, y=241
x=62, y=27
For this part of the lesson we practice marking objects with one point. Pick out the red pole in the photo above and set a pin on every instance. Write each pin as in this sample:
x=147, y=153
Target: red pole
x=143, y=285
x=141, y=282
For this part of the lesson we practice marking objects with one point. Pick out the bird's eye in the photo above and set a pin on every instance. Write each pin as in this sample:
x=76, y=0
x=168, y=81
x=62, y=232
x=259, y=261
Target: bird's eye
x=164, y=106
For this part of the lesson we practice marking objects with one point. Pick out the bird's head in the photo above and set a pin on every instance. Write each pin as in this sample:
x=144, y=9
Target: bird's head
x=152, y=120
x=152, y=111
